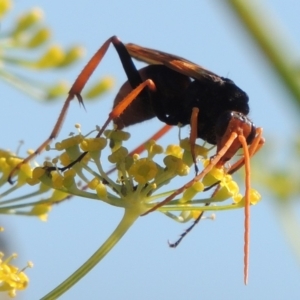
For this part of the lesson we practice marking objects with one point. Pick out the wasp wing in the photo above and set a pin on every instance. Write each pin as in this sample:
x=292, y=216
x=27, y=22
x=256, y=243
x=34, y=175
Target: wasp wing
x=176, y=63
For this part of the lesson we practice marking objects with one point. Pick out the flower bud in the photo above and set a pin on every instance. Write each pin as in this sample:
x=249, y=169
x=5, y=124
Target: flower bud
x=5, y=6
x=57, y=90
x=39, y=38
x=93, y=144
x=28, y=20
x=51, y=58
x=191, y=192
x=71, y=56
x=99, y=88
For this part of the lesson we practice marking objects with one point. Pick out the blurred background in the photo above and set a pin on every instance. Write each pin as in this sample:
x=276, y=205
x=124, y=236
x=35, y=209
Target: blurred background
x=209, y=262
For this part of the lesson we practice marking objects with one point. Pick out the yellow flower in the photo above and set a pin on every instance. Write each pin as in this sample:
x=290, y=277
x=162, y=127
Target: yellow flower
x=41, y=210
x=143, y=170
x=51, y=58
x=215, y=175
x=174, y=150
x=93, y=144
x=99, y=88
x=5, y=6
x=227, y=189
x=11, y=279
x=191, y=192
x=254, y=198
x=28, y=20
x=153, y=149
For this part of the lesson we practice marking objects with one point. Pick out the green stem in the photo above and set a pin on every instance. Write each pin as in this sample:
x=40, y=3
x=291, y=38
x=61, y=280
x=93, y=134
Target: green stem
x=24, y=197
x=17, y=61
x=34, y=89
x=28, y=204
x=128, y=219
x=183, y=207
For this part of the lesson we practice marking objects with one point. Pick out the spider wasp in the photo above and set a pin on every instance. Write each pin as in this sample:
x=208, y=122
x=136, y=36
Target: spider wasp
x=177, y=92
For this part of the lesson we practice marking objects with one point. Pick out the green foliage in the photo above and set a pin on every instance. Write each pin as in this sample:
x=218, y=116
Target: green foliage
x=27, y=47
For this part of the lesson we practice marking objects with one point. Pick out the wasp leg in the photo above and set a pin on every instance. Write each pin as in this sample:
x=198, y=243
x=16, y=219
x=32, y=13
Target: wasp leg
x=117, y=111
x=77, y=87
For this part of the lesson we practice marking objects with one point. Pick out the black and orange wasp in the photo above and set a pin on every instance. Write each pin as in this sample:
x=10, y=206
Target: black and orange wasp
x=177, y=92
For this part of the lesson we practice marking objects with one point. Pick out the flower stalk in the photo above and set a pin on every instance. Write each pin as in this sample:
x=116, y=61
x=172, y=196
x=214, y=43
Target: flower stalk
x=129, y=217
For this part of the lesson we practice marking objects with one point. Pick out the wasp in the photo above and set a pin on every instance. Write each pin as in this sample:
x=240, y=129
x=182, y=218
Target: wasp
x=177, y=92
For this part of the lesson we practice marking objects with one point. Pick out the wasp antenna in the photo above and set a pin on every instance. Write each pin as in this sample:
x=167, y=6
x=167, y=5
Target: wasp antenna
x=243, y=142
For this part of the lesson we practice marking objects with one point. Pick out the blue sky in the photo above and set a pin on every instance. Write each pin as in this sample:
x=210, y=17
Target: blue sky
x=209, y=263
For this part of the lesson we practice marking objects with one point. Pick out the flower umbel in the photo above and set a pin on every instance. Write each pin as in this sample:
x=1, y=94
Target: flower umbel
x=37, y=202
x=138, y=178
x=138, y=187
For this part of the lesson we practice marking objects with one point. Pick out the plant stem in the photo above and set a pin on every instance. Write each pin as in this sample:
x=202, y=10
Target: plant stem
x=128, y=219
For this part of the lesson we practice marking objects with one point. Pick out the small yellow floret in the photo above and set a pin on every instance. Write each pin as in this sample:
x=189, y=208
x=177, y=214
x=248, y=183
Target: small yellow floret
x=174, y=150
x=176, y=165
x=143, y=170
x=93, y=144
x=11, y=278
x=41, y=210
